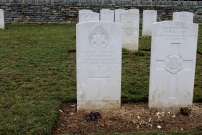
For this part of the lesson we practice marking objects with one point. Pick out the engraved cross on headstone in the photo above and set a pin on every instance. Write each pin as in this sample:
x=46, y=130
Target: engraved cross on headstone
x=173, y=64
x=99, y=76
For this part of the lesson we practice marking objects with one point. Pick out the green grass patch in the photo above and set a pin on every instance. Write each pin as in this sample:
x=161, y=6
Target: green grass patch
x=38, y=72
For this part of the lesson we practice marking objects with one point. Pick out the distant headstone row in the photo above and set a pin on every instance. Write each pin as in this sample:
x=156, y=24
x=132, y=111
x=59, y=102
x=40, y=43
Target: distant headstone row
x=130, y=22
x=99, y=54
x=128, y=18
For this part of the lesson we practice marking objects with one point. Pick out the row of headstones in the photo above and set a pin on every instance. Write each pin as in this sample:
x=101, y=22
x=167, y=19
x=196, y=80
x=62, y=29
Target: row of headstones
x=149, y=17
x=99, y=56
x=128, y=18
x=130, y=22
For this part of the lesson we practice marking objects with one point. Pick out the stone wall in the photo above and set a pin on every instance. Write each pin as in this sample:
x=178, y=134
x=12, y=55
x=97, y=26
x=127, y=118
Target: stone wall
x=23, y=12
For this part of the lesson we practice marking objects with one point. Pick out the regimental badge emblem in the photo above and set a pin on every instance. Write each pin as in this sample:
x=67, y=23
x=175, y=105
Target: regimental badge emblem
x=174, y=64
x=88, y=17
x=183, y=17
x=107, y=13
x=99, y=38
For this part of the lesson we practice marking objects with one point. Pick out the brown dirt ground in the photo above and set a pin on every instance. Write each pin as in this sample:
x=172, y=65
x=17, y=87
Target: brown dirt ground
x=132, y=117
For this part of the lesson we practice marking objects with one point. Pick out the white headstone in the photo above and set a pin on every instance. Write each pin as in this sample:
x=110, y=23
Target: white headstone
x=173, y=59
x=107, y=15
x=85, y=11
x=118, y=14
x=130, y=30
x=99, y=54
x=87, y=16
x=1, y=19
x=134, y=10
x=149, y=17
x=183, y=16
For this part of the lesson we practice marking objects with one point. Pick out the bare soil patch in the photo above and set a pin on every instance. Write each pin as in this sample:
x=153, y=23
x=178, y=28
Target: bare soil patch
x=132, y=117
x=72, y=52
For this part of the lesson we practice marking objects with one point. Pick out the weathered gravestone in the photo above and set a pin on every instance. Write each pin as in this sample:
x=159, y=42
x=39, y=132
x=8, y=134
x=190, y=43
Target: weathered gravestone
x=118, y=14
x=183, y=16
x=88, y=15
x=99, y=53
x=173, y=59
x=149, y=17
x=1, y=19
x=130, y=30
x=107, y=15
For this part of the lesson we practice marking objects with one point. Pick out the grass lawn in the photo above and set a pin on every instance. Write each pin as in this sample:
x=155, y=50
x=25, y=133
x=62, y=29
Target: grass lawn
x=38, y=72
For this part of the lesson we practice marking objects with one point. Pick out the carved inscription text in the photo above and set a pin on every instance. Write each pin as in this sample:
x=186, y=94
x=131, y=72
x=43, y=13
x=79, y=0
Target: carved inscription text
x=175, y=33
